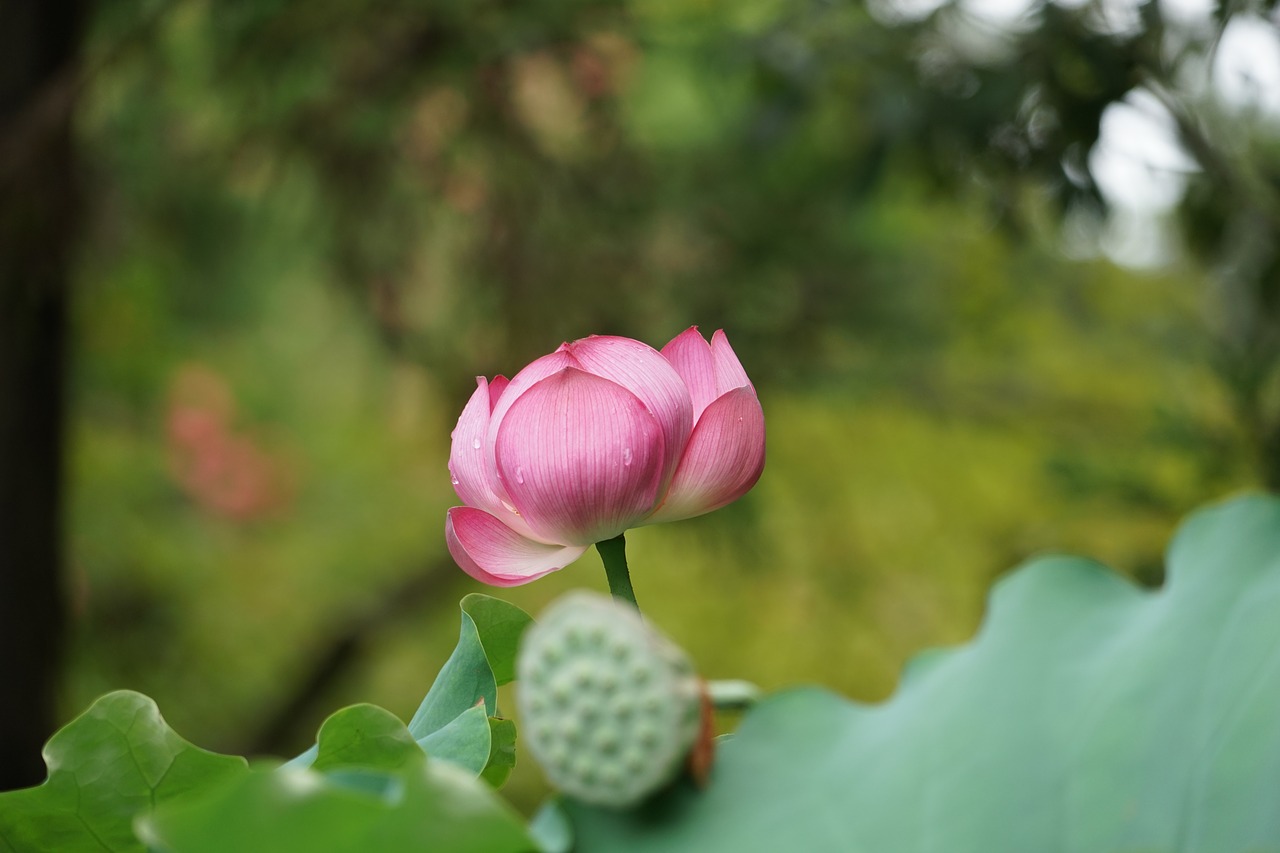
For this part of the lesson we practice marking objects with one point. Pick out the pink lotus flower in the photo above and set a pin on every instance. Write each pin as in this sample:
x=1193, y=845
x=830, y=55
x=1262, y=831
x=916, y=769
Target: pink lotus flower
x=602, y=435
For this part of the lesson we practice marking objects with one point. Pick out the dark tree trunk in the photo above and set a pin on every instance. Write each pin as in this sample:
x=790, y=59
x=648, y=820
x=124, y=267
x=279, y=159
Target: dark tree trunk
x=38, y=202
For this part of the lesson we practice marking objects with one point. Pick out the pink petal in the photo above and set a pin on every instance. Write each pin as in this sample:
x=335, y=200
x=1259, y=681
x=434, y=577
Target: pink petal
x=466, y=454
x=467, y=463
x=729, y=371
x=643, y=371
x=723, y=460
x=581, y=457
x=690, y=355
x=496, y=387
x=495, y=554
x=532, y=373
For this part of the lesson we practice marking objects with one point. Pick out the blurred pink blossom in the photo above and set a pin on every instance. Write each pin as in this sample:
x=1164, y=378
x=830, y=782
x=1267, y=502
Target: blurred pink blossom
x=602, y=435
x=223, y=472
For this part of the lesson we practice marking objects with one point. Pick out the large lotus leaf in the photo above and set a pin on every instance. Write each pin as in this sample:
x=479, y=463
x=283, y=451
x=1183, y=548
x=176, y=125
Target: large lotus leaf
x=114, y=761
x=1088, y=715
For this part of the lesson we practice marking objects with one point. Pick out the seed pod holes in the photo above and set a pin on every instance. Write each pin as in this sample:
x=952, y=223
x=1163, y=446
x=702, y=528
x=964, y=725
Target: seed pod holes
x=615, y=709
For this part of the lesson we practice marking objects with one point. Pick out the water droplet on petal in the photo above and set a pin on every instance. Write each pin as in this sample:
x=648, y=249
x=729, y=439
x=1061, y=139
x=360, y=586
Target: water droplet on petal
x=626, y=456
x=520, y=476
x=453, y=480
x=475, y=444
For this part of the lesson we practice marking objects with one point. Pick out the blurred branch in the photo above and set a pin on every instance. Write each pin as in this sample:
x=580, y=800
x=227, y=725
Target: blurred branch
x=1251, y=342
x=1214, y=162
x=30, y=123
x=343, y=651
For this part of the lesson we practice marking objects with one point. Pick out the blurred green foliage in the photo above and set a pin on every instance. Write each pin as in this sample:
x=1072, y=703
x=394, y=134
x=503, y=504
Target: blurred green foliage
x=313, y=224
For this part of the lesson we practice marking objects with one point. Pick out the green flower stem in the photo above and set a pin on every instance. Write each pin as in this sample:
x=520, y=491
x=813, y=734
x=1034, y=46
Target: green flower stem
x=613, y=552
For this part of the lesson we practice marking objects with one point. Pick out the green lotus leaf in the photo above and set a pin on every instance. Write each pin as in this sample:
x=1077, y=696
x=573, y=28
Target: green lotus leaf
x=466, y=741
x=502, y=752
x=422, y=805
x=483, y=660
x=1088, y=715
x=364, y=736
x=112, y=763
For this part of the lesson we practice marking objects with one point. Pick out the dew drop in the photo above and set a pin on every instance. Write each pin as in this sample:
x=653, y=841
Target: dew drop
x=520, y=476
x=475, y=444
x=453, y=480
x=626, y=456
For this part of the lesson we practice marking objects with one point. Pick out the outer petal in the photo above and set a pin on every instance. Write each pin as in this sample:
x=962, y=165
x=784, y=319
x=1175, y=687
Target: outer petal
x=467, y=464
x=729, y=371
x=495, y=554
x=643, y=371
x=690, y=355
x=466, y=455
x=496, y=387
x=581, y=457
x=723, y=460
x=532, y=373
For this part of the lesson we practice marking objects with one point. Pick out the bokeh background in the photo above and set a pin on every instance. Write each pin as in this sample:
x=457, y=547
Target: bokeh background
x=1004, y=274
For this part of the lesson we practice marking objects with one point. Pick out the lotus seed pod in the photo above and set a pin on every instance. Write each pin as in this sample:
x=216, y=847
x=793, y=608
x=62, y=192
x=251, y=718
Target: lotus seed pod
x=613, y=696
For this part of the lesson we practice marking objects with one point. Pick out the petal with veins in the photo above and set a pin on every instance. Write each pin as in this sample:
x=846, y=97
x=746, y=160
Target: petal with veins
x=690, y=355
x=496, y=387
x=467, y=467
x=729, y=371
x=723, y=460
x=532, y=373
x=466, y=454
x=581, y=457
x=495, y=554
x=643, y=371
